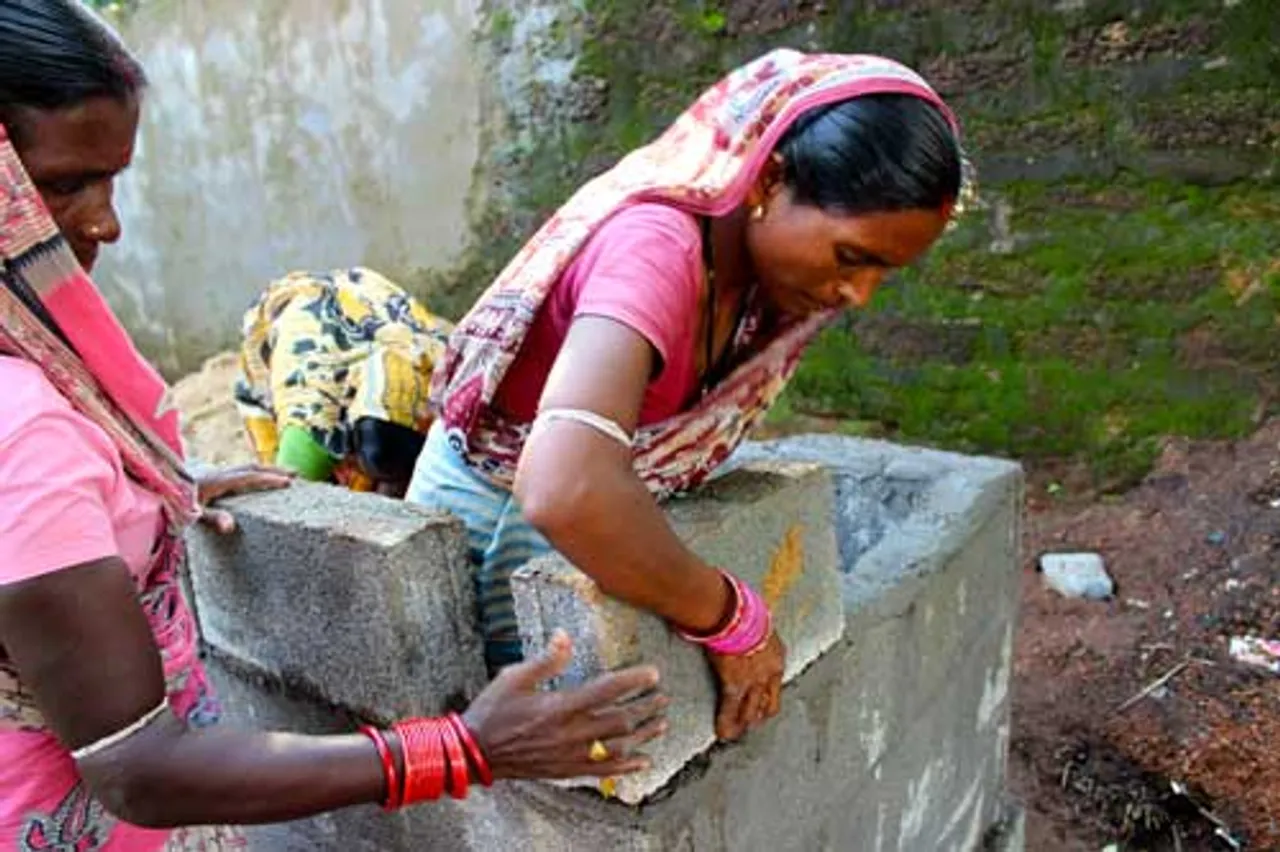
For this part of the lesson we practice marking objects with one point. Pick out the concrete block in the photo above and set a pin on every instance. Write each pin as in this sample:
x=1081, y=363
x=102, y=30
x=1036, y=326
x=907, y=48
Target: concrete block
x=940, y=784
x=893, y=738
x=915, y=505
x=252, y=699
x=769, y=524
x=358, y=600
x=842, y=767
x=973, y=593
x=928, y=536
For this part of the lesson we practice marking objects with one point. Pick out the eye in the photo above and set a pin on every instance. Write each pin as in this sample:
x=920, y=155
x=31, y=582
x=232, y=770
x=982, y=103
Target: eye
x=62, y=186
x=849, y=258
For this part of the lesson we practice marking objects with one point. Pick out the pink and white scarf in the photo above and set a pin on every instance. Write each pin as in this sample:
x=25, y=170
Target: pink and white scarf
x=704, y=164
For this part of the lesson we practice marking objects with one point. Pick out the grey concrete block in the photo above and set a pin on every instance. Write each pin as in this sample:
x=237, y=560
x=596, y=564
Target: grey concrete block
x=904, y=508
x=251, y=699
x=974, y=593
x=770, y=525
x=894, y=738
x=363, y=601
x=940, y=784
x=927, y=536
x=843, y=767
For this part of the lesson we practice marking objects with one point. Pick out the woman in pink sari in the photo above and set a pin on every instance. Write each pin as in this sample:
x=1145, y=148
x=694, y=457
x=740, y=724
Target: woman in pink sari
x=637, y=338
x=105, y=714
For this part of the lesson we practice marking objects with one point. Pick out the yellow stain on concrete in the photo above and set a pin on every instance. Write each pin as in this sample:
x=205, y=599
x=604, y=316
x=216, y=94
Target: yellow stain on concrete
x=786, y=566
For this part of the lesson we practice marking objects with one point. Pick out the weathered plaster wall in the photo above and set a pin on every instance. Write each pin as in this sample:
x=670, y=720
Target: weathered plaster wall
x=308, y=133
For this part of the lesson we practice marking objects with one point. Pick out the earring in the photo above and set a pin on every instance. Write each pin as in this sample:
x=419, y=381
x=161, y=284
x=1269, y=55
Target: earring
x=757, y=213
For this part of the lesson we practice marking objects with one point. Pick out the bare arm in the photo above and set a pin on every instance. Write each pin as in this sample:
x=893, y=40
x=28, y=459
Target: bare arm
x=578, y=488
x=85, y=649
x=83, y=646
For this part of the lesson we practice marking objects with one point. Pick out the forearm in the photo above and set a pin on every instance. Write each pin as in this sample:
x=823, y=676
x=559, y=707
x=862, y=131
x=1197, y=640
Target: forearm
x=177, y=777
x=613, y=530
x=86, y=651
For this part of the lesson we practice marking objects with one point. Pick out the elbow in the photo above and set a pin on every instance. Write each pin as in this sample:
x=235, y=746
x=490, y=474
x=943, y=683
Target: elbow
x=551, y=503
x=572, y=511
x=128, y=801
x=130, y=791
x=564, y=496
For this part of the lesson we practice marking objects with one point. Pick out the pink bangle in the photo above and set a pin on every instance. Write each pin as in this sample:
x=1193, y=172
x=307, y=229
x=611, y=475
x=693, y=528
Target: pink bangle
x=734, y=620
x=753, y=628
x=748, y=629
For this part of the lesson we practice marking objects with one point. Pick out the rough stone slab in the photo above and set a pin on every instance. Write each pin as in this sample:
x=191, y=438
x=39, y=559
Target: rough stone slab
x=362, y=601
x=1077, y=575
x=768, y=523
x=846, y=765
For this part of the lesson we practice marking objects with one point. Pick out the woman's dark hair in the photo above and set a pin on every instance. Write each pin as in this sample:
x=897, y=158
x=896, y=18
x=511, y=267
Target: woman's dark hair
x=56, y=54
x=875, y=153
x=387, y=451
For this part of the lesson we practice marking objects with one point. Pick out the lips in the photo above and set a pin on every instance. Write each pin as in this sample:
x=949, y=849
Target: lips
x=87, y=257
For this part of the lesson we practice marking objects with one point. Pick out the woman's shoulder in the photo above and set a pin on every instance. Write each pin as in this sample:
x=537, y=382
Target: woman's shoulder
x=27, y=390
x=29, y=395
x=58, y=475
x=654, y=223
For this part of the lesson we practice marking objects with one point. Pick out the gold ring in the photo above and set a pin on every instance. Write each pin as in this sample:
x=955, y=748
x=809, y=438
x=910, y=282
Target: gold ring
x=598, y=753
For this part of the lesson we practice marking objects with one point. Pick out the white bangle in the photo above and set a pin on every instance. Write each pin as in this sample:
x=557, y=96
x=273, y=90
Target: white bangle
x=603, y=425
x=122, y=734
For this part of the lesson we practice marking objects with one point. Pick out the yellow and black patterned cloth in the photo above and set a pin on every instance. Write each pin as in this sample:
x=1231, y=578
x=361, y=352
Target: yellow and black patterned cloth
x=321, y=351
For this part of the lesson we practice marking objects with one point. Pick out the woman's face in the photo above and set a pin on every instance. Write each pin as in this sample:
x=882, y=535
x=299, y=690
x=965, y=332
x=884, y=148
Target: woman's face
x=807, y=260
x=73, y=156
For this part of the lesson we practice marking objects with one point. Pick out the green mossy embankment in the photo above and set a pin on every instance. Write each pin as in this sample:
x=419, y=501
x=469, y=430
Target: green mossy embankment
x=1121, y=281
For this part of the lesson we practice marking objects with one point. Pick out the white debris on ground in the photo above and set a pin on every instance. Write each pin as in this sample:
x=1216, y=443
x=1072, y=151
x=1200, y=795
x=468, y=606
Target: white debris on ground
x=1253, y=651
x=1077, y=575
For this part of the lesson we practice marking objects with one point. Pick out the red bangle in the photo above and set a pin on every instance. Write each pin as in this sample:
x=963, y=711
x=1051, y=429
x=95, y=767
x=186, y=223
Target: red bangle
x=394, y=792
x=459, y=772
x=424, y=760
x=436, y=780
x=478, y=760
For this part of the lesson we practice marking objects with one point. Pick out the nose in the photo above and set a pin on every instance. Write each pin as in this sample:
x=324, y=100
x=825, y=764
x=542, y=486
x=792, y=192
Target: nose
x=101, y=224
x=857, y=291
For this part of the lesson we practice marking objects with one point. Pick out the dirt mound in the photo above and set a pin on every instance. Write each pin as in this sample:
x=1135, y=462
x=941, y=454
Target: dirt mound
x=210, y=425
x=1195, y=553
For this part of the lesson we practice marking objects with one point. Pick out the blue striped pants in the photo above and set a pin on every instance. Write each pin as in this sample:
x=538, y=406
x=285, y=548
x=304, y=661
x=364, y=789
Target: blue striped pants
x=499, y=539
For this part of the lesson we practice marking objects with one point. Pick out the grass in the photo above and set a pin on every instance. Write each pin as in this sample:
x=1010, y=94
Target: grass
x=1082, y=341
x=1127, y=311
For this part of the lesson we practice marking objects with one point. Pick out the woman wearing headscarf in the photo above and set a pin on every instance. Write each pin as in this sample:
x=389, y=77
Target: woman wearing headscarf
x=107, y=739
x=334, y=374
x=649, y=325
